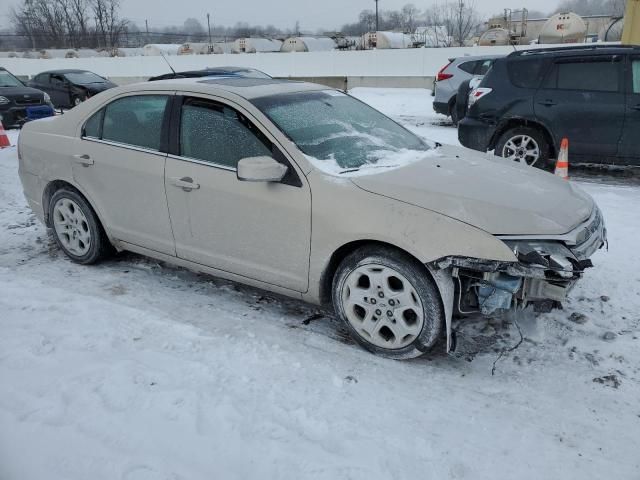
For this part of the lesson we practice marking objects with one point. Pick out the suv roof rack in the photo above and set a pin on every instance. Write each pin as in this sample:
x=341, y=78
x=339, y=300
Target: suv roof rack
x=577, y=48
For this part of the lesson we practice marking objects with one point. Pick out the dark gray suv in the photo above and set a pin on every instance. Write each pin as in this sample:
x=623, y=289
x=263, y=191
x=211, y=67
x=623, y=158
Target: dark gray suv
x=532, y=99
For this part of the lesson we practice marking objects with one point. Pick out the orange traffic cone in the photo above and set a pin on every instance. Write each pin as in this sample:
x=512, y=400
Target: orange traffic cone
x=4, y=140
x=562, y=165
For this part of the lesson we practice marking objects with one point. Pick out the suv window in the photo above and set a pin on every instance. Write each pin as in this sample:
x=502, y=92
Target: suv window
x=599, y=74
x=483, y=67
x=468, y=67
x=635, y=71
x=135, y=120
x=217, y=134
x=525, y=72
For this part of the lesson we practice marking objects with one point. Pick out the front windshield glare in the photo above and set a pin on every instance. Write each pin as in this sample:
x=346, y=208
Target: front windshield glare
x=8, y=80
x=333, y=127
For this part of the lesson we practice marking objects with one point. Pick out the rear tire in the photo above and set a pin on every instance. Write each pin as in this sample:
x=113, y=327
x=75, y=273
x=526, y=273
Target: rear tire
x=520, y=143
x=76, y=228
x=453, y=111
x=388, y=303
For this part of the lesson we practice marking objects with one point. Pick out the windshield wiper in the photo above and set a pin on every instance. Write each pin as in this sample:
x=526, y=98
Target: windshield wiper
x=350, y=170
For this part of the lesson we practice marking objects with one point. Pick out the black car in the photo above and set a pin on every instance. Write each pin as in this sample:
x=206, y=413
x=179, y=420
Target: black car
x=214, y=72
x=69, y=88
x=19, y=104
x=529, y=101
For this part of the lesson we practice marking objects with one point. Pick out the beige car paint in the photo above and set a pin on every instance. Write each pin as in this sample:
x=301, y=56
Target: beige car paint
x=267, y=235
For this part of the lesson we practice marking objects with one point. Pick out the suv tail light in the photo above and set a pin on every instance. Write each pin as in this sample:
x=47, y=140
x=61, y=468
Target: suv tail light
x=478, y=93
x=442, y=75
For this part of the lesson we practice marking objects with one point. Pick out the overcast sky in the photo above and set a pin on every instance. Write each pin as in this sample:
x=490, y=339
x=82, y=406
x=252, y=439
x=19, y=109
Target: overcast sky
x=312, y=14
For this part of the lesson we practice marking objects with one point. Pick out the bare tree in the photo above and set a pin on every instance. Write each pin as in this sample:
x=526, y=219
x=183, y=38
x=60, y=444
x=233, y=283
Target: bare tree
x=459, y=19
x=410, y=14
x=109, y=26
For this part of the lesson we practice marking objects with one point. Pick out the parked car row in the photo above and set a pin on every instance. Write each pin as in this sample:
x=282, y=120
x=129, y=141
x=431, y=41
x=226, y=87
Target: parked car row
x=530, y=100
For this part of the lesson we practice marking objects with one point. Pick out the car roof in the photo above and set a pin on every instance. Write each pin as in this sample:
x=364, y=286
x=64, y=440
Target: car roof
x=67, y=70
x=248, y=88
x=476, y=57
x=580, y=49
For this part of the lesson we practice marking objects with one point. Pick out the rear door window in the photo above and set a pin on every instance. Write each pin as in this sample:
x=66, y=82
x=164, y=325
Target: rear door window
x=135, y=120
x=468, y=67
x=595, y=74
x=217, y=134
x=526, y=72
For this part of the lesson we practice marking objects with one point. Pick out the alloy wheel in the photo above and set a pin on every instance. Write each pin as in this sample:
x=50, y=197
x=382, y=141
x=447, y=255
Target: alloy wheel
x=71, y=227
x=523, y=149
x=382, y=306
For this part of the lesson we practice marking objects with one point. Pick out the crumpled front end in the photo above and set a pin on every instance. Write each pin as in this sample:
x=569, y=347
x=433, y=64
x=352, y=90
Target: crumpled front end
x=546, y=271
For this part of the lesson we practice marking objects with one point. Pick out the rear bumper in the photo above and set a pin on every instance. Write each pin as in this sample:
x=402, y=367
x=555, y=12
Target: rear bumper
x=18, y=116
x=475, y=134
x=441, y=108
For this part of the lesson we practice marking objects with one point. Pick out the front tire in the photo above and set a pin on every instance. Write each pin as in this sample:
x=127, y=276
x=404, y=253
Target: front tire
x=388, y=302
x=76, y=228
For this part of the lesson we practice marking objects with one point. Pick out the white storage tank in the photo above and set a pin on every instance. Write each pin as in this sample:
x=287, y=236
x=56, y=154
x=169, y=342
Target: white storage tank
x=567, y=27
x=195, y=49
x=612, y=32
x=386, y=40
x=223, y=47
x=126, y=52
x=255, y=45
x=495, y=37
x=155, y=49
x=308, y=44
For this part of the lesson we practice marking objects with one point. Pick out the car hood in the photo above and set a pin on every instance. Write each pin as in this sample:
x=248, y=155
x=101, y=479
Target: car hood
x=20, y=92
x=98, y=87
x=496, y=195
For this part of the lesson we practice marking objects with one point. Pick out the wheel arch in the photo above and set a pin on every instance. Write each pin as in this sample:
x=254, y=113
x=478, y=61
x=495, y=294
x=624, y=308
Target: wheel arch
x=330, y=269
x=442, y=279
x=52, y=187
x=510, y=123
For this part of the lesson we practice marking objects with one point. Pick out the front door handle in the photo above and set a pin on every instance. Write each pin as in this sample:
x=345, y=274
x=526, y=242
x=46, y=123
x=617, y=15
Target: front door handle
x=547, y=103
x=185, y=183
x=635, y=107
x=83, y=159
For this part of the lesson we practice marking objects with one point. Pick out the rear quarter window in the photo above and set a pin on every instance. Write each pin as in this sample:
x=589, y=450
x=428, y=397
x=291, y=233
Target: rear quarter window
x=526, y=72
x=468, y=67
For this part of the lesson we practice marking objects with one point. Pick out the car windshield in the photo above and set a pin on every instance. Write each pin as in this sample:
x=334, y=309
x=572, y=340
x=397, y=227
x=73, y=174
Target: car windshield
x=84, y=78
x=8, y=80
x=340, y=131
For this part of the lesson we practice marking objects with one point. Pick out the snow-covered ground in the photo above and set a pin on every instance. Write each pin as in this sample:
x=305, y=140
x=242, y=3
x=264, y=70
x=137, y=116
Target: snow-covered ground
x=137, y=370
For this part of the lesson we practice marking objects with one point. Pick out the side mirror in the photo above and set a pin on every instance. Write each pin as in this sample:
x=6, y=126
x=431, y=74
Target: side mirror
x=261, y=169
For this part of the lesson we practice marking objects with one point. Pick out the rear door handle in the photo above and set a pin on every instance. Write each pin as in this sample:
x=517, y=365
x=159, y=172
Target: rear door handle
x=635, y=107
x=83, y=159
x=547, y=103
x=185, y=183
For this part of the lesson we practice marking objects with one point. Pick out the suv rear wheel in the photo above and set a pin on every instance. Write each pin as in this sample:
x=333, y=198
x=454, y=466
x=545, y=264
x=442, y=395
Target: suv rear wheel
x=525, y=145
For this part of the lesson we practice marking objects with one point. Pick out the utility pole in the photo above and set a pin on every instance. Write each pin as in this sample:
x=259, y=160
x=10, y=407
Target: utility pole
x=377, y=21
x=209, y=27
x=146, y=26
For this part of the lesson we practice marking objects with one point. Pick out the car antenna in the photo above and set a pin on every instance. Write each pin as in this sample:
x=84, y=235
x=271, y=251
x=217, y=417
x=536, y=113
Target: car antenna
x=165, y=59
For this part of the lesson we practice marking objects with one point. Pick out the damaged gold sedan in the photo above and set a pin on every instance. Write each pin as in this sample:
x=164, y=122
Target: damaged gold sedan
x=309, y=193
